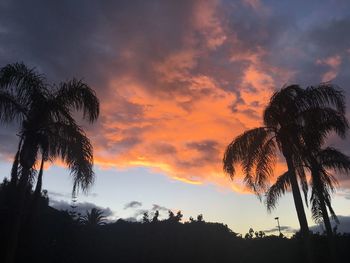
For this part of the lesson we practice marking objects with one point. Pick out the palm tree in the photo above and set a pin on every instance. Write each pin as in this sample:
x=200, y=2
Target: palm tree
x=93, y=218
x=284, y=120
x=322, y=181
x=47, y=129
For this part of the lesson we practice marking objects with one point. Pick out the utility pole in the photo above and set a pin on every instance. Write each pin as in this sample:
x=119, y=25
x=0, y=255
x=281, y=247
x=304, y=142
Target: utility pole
x=278, y=223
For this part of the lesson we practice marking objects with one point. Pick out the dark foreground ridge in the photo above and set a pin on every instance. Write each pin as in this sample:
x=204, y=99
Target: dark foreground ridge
x=55, y=236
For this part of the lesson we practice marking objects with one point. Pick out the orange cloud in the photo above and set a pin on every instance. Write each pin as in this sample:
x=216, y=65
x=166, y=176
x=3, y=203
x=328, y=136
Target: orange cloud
x=183, y=135
x=174, y=108
x=333, y=62
x=179, y=118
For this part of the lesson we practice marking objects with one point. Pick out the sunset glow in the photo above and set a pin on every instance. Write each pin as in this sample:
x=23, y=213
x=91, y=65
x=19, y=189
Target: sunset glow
x=177, y=82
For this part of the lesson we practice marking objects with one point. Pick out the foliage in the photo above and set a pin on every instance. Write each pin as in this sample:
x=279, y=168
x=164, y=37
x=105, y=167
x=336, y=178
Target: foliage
x=58, y=238
x=47, y=126
x=297, y=122
x=94, y=217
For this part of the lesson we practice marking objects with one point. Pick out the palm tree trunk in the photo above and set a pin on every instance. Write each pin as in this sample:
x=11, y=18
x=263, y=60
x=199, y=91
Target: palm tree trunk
x=326, y=221
x=17, y=217
x=36, y=195
x=39, y=182
x=299, y=206
x=14, y=170
x=298, y=202
x=329, y=231
x=320, y=195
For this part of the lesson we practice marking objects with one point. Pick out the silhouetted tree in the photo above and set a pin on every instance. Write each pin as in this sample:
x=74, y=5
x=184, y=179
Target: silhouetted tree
x=284, y=117
x=59, y=239
x=155, y=217
x=47, y=129
x=322, y=181
x=94, y=217
x=259, y=234
x=178, y=216
x=73, y=213
x=250, y=234
x=171, y=216
x=145, y=218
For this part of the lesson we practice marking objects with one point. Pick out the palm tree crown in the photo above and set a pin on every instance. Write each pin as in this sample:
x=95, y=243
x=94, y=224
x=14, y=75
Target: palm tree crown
x=93, y=218
x=46, y=122
x=285, y=119
x=47, y=128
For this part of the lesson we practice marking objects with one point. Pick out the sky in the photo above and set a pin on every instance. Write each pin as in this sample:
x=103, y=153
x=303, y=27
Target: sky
x=177, y=81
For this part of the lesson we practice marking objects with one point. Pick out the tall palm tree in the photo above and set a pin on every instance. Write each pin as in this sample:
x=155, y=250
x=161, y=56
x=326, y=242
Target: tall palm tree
x=322, y=181
x=93, y=218
x=46, y=128
x=284, y=119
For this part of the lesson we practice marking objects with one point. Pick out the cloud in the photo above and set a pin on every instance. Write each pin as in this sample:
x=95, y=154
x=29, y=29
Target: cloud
x=177, y=81
x=344, y=192
x=56, y=195
x=138, y=214
x=343, y=227
x=80, y=207
x=284, y=229
x=333, y=63
x=132, y=204
x=160, y=208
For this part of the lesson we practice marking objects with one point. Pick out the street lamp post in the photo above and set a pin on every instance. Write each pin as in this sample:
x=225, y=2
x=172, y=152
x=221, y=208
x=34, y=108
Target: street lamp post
x=278, y=223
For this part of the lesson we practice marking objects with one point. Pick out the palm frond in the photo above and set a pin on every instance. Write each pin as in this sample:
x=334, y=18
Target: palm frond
x=265, y=162
x=319, y=122
x=10, y=108
x=331, y=210
x=320, y=194
x=332, y=158
x=326, y=94
x=299, y=168
x=277, y=190
x=69, y=142
x=316, y=210
x=243, y=149
x=284, y=105
x=322, y=186
x=79, y=96
x=26, y=84
x=94, y=217
x=255, y=151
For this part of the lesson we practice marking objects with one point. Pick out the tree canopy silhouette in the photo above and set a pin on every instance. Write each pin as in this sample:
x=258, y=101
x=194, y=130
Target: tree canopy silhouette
x=288, y=117
x=94, y=217
x=47, y=130
x=322, y=181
